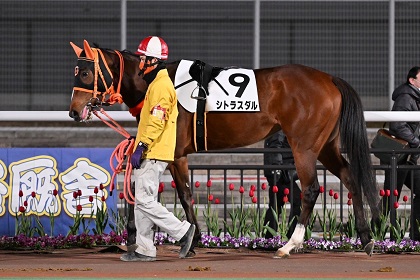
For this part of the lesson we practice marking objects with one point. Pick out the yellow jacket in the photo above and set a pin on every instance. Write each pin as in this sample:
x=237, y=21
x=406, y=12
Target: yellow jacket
x=157, y=127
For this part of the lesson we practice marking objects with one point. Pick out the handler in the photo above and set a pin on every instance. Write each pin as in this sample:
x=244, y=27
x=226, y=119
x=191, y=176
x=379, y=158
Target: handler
x=154, y=149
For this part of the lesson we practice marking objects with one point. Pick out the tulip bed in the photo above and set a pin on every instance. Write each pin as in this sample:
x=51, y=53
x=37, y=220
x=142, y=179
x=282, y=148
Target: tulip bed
x=22, y=242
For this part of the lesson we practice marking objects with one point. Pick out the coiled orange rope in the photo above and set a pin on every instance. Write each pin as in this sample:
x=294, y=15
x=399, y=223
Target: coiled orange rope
x=122, y=151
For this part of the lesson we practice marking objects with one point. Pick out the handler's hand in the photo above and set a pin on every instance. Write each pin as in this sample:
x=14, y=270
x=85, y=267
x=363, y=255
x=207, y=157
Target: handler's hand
x=136, y=157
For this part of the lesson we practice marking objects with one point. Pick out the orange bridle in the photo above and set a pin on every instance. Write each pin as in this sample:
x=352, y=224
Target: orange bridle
x=114, y=95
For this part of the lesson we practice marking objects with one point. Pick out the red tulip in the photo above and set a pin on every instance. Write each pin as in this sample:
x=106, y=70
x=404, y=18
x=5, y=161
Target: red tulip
x=197, y=184
x=275, y=189
x=382, y=192
x=286, y=191
x=25, y=203
x=33, y=194
x=349, y=195
x=211, y=197
x=253, y=187
x=101, y=187
x=321, y=189
x=335, y=195
x=396, y=205
x=263, y=186
x=388, y=192
x=79, y=192
x=349, y=202
x=254, y=199
x=55, y=192
x=216, y=201
x=208, y=183
x=192, y=201
x=251, y=193
x=331, y=193
x=79, y=207
x=285, y=199
x=395, y=192
x=405, y=198
x=103, y=198
x=161, y=187
x=22, y=209
x=96, y=190
x=91, y=198
x=20, y=193
x=173, y=185
x=241, y=189
x=121, y=195
x=74, y=194
x=231, y=187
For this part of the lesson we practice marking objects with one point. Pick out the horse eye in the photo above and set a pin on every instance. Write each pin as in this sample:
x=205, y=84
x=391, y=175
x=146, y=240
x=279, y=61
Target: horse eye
x=85, y=74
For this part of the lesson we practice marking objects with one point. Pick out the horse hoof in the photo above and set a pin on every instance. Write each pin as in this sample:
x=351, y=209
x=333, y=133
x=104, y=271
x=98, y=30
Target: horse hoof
x=369, y=247
x=280, y=255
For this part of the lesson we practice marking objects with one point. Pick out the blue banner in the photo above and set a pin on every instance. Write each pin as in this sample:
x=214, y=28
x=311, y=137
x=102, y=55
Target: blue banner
x=51, y=187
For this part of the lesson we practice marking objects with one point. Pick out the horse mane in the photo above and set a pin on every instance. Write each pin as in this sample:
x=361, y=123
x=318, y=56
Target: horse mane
x=128, y=52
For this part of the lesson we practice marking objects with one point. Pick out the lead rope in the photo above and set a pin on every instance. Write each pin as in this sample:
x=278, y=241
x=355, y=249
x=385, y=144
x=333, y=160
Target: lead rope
x=122, y=151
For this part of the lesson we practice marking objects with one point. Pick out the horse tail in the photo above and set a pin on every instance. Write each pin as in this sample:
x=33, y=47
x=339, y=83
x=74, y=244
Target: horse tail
x=354, y=141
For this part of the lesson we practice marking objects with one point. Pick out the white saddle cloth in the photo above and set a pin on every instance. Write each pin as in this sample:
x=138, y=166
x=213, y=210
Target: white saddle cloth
x=234, y=89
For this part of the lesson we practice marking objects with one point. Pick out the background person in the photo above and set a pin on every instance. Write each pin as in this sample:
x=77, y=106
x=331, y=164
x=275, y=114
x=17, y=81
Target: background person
x=406, y=97
x=280, y=178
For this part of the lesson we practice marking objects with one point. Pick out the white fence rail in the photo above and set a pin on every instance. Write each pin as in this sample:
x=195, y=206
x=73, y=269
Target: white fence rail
x=40, y=116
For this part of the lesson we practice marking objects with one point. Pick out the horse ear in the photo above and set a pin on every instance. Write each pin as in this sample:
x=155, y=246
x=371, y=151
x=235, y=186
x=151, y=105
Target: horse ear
x=76, y=49
x=88, y=50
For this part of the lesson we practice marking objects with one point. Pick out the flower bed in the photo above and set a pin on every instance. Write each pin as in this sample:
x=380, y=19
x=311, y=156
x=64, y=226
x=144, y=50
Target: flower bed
x=22, y=242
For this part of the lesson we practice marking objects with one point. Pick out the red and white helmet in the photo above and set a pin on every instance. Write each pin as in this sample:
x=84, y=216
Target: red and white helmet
x=153, y=46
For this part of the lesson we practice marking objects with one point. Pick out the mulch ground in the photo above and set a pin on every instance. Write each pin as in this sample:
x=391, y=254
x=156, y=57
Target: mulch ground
x=208, y=263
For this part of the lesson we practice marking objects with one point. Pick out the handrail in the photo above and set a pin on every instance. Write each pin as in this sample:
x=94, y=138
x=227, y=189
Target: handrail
x=48, y=116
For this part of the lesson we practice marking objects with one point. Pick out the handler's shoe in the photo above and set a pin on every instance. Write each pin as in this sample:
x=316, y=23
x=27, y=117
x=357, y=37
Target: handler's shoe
x=186, y=241
x=136, y=257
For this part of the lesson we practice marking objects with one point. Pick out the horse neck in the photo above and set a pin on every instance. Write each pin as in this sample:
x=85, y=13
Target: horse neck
x=133, y=88
x=172, y=69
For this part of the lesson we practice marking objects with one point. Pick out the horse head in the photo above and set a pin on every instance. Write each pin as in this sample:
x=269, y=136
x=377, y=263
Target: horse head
x=98, y=81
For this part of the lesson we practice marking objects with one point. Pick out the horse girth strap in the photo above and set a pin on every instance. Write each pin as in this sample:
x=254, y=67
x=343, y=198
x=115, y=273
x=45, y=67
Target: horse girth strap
x=205, y=71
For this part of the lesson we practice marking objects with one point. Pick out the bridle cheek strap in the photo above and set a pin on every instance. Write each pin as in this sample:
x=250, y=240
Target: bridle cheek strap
x=115, y=96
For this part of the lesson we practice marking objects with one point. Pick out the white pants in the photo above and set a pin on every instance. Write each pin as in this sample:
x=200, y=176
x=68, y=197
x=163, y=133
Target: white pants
x=148, y=211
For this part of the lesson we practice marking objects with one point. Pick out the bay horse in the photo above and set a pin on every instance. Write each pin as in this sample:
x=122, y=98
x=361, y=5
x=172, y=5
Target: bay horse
x=317, y=111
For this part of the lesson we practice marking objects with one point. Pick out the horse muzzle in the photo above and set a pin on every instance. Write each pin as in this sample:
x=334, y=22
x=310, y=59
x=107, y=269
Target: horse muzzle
x=83, y=116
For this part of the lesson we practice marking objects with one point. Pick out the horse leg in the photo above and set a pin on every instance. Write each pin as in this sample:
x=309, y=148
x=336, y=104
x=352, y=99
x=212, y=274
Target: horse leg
x=179, y=171
x=332, y=159
x=306, y=168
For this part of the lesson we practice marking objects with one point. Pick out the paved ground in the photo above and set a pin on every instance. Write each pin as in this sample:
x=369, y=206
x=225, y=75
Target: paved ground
x=209, y=263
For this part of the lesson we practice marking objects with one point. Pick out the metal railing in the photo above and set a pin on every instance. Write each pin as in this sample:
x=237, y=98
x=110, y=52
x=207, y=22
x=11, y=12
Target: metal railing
x=222, y=171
